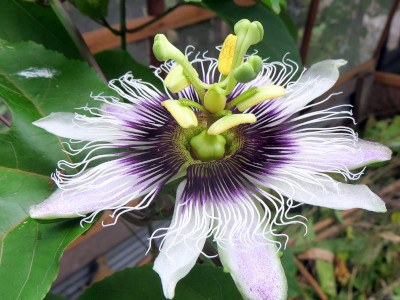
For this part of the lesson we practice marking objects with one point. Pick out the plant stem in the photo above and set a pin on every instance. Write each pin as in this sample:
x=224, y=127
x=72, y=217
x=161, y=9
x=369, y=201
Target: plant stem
x=155, y=19
x=104, y=22
x=122, y=12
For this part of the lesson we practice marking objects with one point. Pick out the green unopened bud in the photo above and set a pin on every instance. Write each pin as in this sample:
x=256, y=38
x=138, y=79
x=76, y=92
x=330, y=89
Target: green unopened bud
x=244, y=73
x=208, y=147
x=253, y=31
x=214, y=101
x=176, y=79
x=164, y=50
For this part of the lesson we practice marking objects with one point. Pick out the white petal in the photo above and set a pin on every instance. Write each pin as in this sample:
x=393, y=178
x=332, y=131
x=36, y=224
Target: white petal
x=103, y=187
x=183, y=243
x=256, y=267
x=317, y=80
x=328, y=154
x=66, y=125
x=321, y=191
x=366, y=153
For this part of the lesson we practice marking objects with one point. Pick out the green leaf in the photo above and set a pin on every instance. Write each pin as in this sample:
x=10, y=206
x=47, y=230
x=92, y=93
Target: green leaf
x=30, y=257
x=96, y=9
x=290, y=268
x=51, y=296
x=33, y=83
x=290, y=26
x=24, y=21
x=326, y=276
x=203, y=282
x=275, y=5
x=115, y=63
x=277, y=40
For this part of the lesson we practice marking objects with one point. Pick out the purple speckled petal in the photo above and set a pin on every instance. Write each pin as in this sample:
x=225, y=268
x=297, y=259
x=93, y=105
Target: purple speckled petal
x=257, y=271
x=322, y=191
x=182, y=245
x=366, y=153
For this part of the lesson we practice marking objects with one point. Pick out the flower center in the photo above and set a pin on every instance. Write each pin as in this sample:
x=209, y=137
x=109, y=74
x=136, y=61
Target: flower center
x=195, y=144
x=209, y=141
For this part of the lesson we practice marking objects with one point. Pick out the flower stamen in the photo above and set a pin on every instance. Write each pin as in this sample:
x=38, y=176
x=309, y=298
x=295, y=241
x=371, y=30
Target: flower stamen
x=176, y=79
x=256, y=95
x=183, y=115
x=228, y=122
x=226, y=55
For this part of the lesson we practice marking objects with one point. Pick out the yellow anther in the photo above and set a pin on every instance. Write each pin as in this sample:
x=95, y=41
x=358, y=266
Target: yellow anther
x=182, y=114
x=229, y=122
x=262, y=94
x=176, y=79
x=226, y=55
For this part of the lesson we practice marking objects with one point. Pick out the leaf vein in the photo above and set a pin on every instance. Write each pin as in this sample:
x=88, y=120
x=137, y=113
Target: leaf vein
x=31, y=264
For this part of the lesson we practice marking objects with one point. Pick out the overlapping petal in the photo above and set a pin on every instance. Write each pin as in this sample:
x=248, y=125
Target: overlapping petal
x=256, y=267
x=332, y=153
x=108, y=185
x=314, y=82
x=182, y=244
x=323, y=191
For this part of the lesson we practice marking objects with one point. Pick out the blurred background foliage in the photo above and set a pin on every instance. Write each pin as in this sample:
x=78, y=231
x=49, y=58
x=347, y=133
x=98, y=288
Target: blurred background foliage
x=345, y=255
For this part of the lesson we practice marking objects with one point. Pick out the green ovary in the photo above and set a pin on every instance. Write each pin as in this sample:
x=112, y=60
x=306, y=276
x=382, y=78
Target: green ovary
x=197, y=146
x=208, y=147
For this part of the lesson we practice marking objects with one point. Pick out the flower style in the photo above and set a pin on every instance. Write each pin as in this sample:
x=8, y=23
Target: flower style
x=237, y=143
